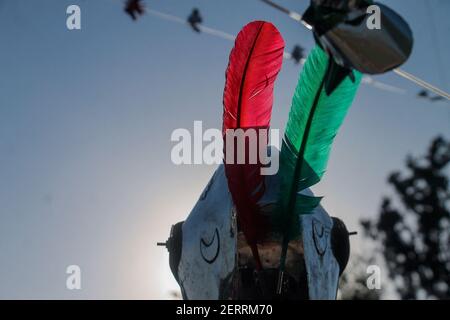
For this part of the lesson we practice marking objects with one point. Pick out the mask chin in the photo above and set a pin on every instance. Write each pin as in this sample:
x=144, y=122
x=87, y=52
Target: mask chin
x=250, y=284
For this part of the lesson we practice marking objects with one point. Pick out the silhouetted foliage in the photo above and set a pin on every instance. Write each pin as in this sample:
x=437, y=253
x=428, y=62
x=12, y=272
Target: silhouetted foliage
x=414, y=240
x=195, y=19
x=297, y=54
x=426, y=95
x=134, y=8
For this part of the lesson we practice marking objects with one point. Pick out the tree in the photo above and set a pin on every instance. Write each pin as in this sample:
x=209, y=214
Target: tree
x=413, y=234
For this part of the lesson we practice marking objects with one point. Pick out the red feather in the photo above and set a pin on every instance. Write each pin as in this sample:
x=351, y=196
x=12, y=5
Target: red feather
x=254, y=64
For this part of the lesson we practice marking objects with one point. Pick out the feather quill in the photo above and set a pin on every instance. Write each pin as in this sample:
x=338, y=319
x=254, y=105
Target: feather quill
x=254, y=64
x=314, y=120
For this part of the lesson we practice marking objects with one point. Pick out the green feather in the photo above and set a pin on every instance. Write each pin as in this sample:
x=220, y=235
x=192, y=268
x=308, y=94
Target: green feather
x=314, y=121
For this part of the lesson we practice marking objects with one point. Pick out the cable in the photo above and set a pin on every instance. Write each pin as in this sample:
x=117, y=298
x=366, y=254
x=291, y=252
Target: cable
x=166, y=16
x=205, y=29
x=422, y=83
x=382, y=86
x=435, y=39
x=286, y=55
x=217, y=33
x=292, y=14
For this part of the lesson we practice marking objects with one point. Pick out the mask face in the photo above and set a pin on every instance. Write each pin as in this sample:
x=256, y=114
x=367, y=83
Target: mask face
x=210, y=258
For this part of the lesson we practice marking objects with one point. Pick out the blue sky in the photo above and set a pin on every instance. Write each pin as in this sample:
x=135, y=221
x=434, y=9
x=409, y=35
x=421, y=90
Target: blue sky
x=85, y=124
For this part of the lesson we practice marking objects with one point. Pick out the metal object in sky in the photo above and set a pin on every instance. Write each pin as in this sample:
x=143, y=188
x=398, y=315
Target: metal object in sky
x=406, y=75
x=210, y=259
